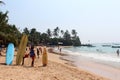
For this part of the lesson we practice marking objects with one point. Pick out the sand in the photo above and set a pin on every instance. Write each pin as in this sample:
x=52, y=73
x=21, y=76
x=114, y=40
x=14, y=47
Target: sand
x=105, y=69
x=57, y=69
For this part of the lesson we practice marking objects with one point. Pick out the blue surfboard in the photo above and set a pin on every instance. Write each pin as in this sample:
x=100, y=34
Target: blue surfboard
x=10, y=54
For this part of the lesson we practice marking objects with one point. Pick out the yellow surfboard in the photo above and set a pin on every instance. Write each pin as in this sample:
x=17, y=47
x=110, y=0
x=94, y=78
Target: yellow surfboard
x=21, y=49
x=44, y=57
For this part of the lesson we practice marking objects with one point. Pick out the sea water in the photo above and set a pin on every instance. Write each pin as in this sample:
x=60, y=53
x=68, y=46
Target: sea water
x=101, y=59
x=101, y=51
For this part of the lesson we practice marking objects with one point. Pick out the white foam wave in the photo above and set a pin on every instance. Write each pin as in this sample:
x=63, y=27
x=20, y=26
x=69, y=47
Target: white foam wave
x=99, y=56
x=103, y=57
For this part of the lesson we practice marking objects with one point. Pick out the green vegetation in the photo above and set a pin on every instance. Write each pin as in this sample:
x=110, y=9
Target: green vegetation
x=55, y=37
x=10, y=33
x=1, y=2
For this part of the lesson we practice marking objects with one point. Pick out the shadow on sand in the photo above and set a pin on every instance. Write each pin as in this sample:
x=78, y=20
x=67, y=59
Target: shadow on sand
x=2, y=63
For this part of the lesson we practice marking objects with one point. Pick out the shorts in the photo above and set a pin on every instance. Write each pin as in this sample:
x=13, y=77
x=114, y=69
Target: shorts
x=26, y=55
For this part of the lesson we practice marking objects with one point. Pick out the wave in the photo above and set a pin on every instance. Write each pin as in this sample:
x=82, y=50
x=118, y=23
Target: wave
x=97, y=56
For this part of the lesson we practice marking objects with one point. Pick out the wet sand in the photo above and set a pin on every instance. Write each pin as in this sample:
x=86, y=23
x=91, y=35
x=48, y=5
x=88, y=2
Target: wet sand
x=102, y=68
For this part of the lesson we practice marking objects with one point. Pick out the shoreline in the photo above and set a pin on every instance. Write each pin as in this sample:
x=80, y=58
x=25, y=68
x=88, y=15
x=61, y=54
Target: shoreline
x=94, y=66
x=72, y=63
x=57, y=69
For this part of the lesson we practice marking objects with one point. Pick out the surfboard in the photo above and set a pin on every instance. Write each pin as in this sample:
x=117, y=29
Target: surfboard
x=10, y=54
x=44, y=57
x=21, y=49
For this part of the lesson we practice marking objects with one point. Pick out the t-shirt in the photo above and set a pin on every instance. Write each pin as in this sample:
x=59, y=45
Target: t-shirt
x=32, y=53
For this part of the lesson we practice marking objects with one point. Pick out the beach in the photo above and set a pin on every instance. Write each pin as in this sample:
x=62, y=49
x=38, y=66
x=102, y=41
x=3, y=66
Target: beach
x=77, y=39
x=104, y=69
x=57, y=69
x=104, y=62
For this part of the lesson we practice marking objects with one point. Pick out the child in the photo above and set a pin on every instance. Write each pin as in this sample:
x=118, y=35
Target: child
x=32, y=55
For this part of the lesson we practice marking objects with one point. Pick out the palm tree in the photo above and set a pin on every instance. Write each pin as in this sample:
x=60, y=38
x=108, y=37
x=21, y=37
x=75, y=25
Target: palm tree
x=67, y=35
x=3, y=18
x=34, y=37
x=74, y=33
x=33, y=30
x=26, y=31
x=45, y=38
x=67, y=38
x=10, y=34
x=49, y=33
x=56, y=32
x=1, y=2
x=62, y=32
x=37, y=38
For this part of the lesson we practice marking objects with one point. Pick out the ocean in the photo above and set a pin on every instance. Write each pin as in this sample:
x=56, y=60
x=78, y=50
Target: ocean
x=100, y=59
x=101, y=51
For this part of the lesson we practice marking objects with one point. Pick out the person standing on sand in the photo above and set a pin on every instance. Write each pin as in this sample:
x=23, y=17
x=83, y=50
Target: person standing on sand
x=118, y=52
x=40, y=48
x=60, y=50
x=32, y=55
x=38, y=52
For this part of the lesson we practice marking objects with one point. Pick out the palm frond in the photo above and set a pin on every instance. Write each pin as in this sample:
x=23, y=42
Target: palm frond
x=1, y=2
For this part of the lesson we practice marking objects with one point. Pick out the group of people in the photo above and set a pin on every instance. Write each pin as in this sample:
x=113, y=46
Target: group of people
x=32, y=54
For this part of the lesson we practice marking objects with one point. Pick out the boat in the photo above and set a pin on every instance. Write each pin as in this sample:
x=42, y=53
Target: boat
x=87, y=45
x=115, y=46
x=106, y=45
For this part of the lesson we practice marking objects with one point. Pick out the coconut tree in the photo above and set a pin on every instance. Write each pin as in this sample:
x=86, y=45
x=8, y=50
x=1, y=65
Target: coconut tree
x=11, y=34
x=67, y=38
x=3, y=25
x=56, y=32
x=45, y=38
x=3, y=18
x=1, y=2
x=74, y=33
x=67, y=35
x=75, y=39
x=26, y=31
x=8, y=33
x=37, y=38
x=62, y=32
x=49, y=33
x=34, y=36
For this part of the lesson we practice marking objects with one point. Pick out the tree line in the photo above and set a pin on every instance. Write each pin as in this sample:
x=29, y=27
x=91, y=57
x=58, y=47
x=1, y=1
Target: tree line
x=10, y=33
x=53, y=37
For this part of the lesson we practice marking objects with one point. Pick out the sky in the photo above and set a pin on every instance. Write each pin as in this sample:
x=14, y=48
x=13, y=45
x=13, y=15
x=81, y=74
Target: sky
x=97, y=21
